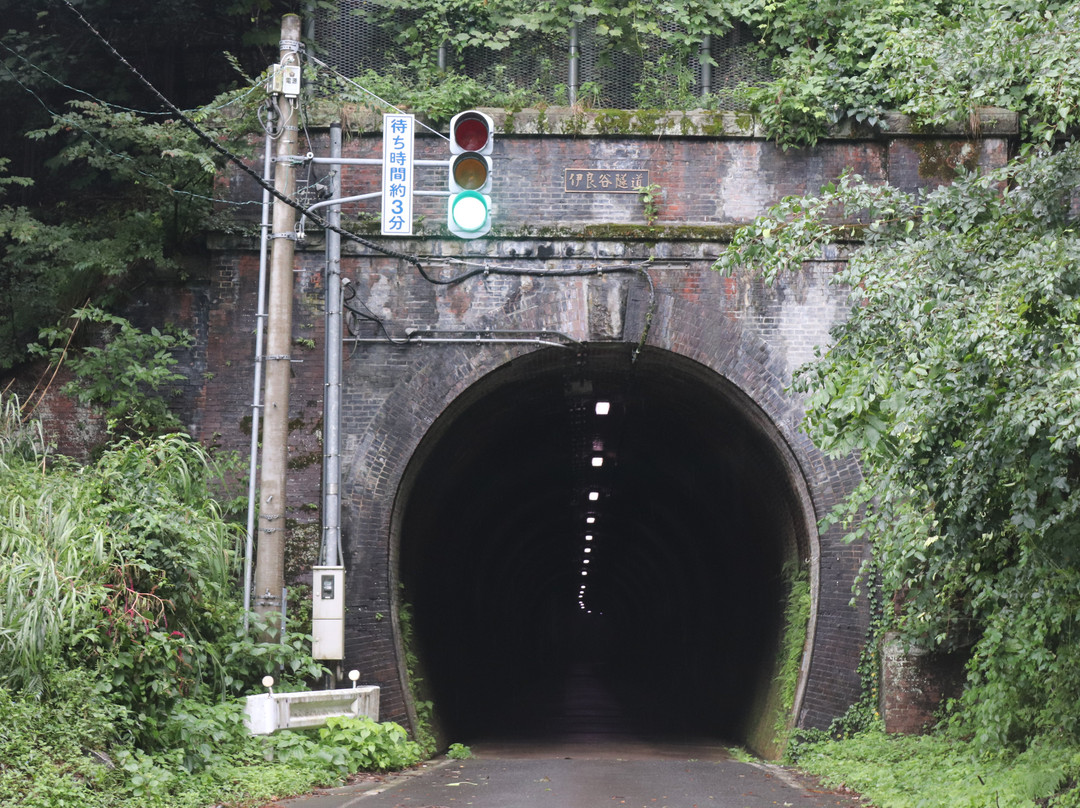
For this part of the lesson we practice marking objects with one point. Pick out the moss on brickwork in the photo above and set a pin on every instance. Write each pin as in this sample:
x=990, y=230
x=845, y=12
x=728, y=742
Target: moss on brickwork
x=302, y=547
x=575, y=124
x=305, y=460
x=940, y=159
x=613, y=122
x=649, y=122
x=654, y=233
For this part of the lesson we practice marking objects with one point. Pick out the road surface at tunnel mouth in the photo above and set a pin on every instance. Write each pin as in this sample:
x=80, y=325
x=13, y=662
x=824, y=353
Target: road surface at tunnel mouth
x=573, y=574
x=520, y=782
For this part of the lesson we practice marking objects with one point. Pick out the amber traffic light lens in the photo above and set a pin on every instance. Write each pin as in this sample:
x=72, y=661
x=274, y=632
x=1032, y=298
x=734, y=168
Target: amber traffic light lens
x=470, y=171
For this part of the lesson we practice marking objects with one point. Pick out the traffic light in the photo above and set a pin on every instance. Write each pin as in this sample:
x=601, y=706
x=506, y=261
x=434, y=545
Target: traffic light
x=468, y=213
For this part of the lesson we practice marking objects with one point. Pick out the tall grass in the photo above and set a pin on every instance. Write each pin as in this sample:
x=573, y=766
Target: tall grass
x=93, y=555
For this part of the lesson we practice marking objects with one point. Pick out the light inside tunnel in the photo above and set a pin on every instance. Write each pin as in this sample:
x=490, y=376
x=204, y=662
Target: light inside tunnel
x=678, y=631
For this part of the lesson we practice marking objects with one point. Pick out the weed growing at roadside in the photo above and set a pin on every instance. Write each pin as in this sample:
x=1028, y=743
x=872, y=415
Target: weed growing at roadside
x=458, y=751
x=904, y=771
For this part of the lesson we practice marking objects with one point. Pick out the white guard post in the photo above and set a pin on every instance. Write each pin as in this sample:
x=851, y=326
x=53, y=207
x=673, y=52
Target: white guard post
x=269, y=712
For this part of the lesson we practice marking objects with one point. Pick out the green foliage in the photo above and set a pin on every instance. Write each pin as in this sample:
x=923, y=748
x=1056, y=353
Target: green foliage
x=347, y=745
x=831, y=62
x=1020, y=56
x=458, y=751
x=125, y=569
x=425, y=709
x=796, y=620
x=649, y=196
x=938, y=63
x=893, y=771
x=20, y=441
x=467, y=26
x=94, y=559
x=139, y=193
x=73, y=748
x=954, y=379
x=497, y=24
x=33, y=742
x=439, y=95
x=361, y=744
x=122, y=650
x=30, y=271
x=457, y=23
x=125, y=375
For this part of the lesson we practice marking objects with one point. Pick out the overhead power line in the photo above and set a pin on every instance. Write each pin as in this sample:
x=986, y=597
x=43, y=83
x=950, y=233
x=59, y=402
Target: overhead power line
x=111, y=104
x=345, y=79
x=233, y=158
x=410, y=259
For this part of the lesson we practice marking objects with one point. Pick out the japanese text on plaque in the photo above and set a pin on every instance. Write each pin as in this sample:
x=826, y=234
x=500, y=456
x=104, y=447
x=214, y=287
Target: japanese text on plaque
x=605, y=180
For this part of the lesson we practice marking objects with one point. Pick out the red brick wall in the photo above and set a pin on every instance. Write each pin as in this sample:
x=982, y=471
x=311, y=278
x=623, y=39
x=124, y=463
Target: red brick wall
x=751, y=335
x=914, y=683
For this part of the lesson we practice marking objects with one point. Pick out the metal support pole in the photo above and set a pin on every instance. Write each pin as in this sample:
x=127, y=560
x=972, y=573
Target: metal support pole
x=270, y=561
x=256, y=394
x=572, y=83
x=309, y=21
x=331, y=510
x=706, y=64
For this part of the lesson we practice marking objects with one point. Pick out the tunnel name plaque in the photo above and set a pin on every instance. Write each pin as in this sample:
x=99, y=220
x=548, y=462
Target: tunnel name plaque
x=605, y=180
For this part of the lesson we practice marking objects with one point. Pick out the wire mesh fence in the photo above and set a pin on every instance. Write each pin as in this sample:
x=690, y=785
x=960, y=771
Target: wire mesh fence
x=361, y=35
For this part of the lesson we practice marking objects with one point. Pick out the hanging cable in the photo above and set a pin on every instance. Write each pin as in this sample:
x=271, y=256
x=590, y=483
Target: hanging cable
x=110, y=104
x=74, y=123
x=369, y=315
x=409, y=259
x=236, y=160
x=269, y=123
x=640, y=269
x=346, y=80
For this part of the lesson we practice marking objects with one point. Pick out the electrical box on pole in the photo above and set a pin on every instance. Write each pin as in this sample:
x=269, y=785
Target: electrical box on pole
x=284, y=80
x=328, y=613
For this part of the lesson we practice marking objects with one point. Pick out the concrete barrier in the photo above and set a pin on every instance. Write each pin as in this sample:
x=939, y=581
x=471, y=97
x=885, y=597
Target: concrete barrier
x=267, y=713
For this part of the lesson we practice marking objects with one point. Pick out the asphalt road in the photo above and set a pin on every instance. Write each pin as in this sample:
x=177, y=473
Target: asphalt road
x=554, y=779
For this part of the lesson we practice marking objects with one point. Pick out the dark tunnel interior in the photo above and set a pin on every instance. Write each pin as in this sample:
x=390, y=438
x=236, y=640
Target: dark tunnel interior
x=556, y=598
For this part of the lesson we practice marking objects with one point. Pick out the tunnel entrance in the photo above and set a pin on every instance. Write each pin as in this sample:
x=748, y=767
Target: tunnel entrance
x=596, y=547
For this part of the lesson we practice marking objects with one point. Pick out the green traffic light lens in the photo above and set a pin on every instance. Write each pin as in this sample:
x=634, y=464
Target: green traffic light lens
x=470, y=171
x=469, y=210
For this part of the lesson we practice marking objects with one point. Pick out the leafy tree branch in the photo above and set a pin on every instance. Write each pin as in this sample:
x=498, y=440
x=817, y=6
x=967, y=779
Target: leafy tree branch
x=955, y=381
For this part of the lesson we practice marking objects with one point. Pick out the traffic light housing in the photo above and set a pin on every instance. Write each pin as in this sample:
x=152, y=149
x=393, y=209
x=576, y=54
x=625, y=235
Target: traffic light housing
x=468, y=212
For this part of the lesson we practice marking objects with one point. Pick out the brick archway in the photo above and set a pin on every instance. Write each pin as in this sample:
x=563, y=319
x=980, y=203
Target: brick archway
x=454, y=460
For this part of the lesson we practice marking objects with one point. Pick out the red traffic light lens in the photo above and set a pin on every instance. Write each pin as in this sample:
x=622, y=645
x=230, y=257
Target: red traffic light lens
x=471, y=133
x=470, y=171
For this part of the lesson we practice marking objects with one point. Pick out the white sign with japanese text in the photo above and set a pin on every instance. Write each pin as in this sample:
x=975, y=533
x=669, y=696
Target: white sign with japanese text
x=397, y=177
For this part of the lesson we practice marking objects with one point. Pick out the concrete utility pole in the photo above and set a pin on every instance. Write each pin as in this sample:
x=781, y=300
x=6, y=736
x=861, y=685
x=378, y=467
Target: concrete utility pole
x=270, y=557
